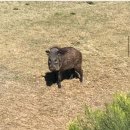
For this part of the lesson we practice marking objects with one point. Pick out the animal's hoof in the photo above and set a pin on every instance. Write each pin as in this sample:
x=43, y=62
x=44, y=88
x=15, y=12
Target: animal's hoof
x=59, y=86
x=81, y=80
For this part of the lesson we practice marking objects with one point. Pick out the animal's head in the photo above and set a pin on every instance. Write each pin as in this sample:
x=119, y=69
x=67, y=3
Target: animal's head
x=54, y=59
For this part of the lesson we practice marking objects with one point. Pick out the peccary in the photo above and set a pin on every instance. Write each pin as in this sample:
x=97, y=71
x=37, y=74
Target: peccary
x=61, y=59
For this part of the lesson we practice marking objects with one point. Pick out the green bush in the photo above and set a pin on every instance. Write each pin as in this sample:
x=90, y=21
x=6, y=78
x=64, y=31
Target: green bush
x=116, y=116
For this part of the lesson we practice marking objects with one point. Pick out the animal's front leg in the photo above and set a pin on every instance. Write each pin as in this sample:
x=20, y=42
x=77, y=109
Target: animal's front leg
x=59, y=79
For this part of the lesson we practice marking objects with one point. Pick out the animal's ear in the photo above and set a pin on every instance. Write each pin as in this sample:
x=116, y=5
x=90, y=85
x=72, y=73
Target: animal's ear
x=47, y=52
x=61, y=52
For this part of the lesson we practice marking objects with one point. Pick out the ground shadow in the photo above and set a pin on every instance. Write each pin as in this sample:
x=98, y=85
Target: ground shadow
x=51, y=77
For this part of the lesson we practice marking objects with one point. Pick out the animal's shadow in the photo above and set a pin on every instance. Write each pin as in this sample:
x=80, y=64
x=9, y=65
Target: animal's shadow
x=52, y=77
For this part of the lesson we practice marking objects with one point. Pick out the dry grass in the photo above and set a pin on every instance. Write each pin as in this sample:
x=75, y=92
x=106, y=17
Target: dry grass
x=99, y=31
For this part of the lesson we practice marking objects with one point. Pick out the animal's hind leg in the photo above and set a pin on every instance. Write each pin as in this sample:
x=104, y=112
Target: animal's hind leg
x=80, y=73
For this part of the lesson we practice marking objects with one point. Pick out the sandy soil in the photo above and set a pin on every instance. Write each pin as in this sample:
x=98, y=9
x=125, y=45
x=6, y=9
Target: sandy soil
x=100, y=31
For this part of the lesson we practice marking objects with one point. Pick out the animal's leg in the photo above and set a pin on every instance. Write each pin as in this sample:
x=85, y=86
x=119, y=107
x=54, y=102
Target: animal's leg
x=72, y=72
x=59, y=79
x=80, y=72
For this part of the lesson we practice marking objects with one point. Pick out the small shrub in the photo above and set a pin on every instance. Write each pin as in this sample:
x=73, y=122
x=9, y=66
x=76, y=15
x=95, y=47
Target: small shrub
x=26, y=3
x=74, y=126
x=15, y=8
x=72, y=13
x=115, y=117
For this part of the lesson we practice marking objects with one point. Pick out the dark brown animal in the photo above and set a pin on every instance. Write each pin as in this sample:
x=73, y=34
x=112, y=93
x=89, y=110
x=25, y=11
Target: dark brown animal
x=61, y=59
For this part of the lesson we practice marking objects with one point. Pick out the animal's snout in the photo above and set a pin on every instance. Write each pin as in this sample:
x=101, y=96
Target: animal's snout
x=52, y=67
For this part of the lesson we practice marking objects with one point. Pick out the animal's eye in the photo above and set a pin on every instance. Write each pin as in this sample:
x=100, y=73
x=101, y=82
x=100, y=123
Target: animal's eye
x=49, y=60
x=56, y=61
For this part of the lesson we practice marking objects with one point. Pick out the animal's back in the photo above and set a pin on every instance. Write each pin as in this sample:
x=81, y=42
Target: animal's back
x=71, y=58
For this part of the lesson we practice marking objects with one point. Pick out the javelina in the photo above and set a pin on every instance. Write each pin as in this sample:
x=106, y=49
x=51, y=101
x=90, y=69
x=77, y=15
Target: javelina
x=61, y=59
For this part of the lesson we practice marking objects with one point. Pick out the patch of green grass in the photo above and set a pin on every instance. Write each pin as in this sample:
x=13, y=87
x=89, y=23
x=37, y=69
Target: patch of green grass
x=115, y=117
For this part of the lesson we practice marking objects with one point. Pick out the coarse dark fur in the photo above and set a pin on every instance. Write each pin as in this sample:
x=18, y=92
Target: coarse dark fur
x=61, y=59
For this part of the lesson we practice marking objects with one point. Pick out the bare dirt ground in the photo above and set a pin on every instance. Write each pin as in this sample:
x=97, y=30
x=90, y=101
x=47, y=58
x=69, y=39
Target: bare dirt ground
x=100, y=31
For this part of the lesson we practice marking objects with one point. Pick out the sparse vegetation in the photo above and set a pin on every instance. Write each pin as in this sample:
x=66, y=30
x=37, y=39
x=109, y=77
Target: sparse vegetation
x=116, y=116
x=100, y=31
x=15, y=8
